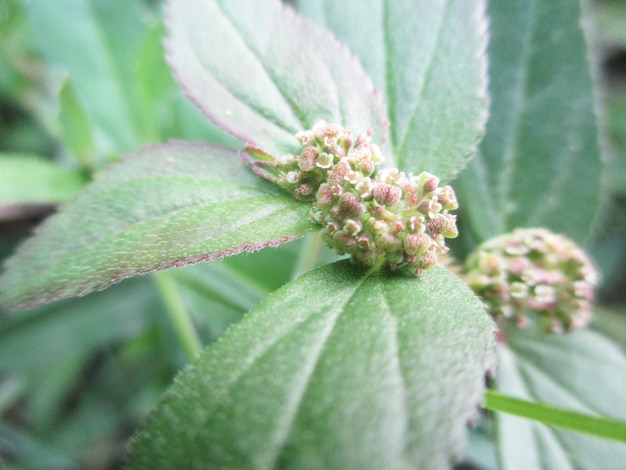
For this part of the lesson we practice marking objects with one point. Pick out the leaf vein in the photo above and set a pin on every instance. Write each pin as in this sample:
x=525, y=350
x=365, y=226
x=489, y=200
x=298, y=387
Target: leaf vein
x=291, y=414
x=427, y=79
x=297, y=112
x=512, y=158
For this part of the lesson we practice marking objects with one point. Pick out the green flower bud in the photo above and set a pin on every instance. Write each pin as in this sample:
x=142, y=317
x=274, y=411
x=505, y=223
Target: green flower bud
x=534, y=272
x=384, y=218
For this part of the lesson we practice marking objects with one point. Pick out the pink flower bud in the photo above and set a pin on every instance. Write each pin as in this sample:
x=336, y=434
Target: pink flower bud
x=428, y=182
x=308, y=158
x=447, y=198
x=427, y=261
x=324, y=196
x=305, y=138
x=544, y=275
x=386, y=194
x=350, y=205
x=417, y=243
x=304, y=191
x=339, y=172
x=363, y=139
x=435, y=226
x=323, y=129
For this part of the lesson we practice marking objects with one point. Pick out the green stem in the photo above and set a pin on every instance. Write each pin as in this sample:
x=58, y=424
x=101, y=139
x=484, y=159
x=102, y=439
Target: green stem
x=309, y=254
x=179, y=316
x=598, y=426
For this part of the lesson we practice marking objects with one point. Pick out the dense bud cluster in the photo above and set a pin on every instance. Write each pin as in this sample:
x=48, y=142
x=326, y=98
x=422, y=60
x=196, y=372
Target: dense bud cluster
x=534, y=270
x=391, y=218
x=327, y=154
x=380, y=218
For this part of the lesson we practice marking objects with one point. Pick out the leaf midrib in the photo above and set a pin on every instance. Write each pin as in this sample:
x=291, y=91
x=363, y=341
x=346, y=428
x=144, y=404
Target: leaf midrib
x=297, y=113
x=511, y=158
x=425, y=83
x=44, y=273
x=290, y=415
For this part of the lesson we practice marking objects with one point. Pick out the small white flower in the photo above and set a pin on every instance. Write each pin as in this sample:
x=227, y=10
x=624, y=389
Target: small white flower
x=518, y=290
x=545, y=294
x=292, y=177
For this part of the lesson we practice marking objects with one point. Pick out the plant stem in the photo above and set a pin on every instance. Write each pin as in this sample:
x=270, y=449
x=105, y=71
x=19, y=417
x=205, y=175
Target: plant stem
x=598, y=426
x=179, y=316
x=309, y=255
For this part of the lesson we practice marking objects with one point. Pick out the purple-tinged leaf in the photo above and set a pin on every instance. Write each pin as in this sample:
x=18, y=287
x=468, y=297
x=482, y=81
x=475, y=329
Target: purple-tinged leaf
x=428, y=58
x=263, y=73
x=168, y=205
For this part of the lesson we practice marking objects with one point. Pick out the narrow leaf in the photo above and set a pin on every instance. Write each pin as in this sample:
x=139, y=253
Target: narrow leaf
x=167, y=205
x=374, y=372
x=561, y=371
x=540, y=159
x=428, y=58
x=97, y=47
x=55, y=334
x=33, y=180
x=550, y=415
x=264, y=74
x=75, y=126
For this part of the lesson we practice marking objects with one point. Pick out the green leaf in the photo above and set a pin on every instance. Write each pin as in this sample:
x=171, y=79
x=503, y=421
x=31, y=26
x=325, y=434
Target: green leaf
x=428, y=58
x=263, y=74
x=97, y=45
x=33, y=180
x=550, y=415
x=165, y=112
x=75, y=126
x=30, y=451
x=164, y=206
x=582, y=372
x=51, y=335
x=539, y=163
x=373, y=372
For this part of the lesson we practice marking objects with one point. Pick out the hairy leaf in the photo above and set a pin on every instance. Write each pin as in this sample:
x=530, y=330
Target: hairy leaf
x=582, y=372
x=264, y=74
x=33, y=180
x=428, y=59
x=539, y=162
x=167, y=205
x=372, y=372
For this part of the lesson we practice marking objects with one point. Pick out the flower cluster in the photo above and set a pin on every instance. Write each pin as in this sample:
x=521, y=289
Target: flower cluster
x=534, y=270
x=384, y=218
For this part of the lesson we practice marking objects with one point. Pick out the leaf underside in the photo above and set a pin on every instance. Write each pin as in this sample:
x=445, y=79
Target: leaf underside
x=540, y=160
x=263, y=74
x=167, y=205
x=428, y=58
x=371, y=372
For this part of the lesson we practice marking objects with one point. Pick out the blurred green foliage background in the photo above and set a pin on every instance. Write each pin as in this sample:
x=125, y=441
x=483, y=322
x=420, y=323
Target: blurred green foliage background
x=83, y=82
